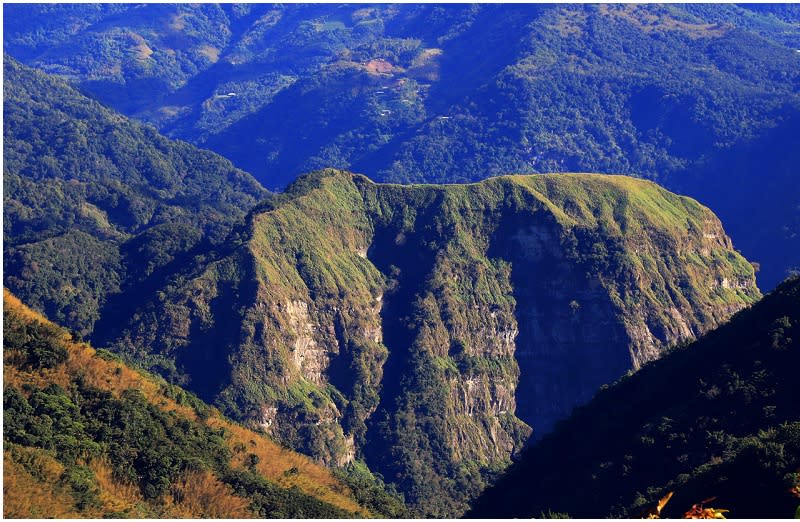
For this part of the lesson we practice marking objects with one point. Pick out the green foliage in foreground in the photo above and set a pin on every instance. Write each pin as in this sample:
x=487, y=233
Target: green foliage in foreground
x=271, y=501
x=371, y=491
x=717, y=418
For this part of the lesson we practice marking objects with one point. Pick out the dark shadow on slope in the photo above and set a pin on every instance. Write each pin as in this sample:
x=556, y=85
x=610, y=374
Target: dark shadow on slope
x=139, y=288
x=407, y=261
x=652, y=110
x=658, y=431
x=755, y=191
x=493, y=42
x=469, y=62
x=299, y=121
x=206, y=359
x=570, y=341
x=414, y=265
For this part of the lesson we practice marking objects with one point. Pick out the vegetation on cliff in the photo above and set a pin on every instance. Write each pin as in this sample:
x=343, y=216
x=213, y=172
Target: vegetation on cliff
x=702, y=98
x=410, y=326
x=411, y=335
x=717, y=418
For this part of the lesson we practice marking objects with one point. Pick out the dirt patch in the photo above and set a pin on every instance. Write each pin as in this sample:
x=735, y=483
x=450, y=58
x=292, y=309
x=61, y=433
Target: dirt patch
x=210, y=52
x=141, y=51
x=379, y=66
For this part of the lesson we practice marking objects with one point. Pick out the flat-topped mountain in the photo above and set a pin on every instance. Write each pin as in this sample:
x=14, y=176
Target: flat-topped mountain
x=429, y=329
x=702, y=98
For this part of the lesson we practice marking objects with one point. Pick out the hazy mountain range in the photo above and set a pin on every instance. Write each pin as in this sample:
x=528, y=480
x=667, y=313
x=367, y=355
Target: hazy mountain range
x=701, y=98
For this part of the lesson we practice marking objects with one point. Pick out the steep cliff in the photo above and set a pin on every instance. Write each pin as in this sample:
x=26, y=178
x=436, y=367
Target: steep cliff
x=428, y=330
x=717, y=418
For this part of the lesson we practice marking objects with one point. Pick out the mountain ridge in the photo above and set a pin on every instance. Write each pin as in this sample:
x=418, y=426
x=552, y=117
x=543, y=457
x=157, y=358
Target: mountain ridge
x=427, y=333
x=95, y=203
x=673, y=93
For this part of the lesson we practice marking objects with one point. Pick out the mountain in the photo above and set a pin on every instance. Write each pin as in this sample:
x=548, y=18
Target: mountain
x=424, y=332
x=84, y=435
x=95, y=203
x=717, y=418
x=702, y=98
x=425, y=329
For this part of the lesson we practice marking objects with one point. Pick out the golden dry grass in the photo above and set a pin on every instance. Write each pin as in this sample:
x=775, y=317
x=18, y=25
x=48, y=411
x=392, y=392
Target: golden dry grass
x=201, y=494
x=115, y=495
x=274, y=463
x=10, y=302
x=26, y=496
x=111, y=376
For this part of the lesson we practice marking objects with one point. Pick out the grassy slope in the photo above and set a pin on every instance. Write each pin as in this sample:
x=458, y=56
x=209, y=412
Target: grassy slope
x=312, y=245
x=718, y=418
x=33, y=476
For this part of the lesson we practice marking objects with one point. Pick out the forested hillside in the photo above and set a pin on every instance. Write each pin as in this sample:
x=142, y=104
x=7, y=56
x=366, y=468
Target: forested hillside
x=86, y=436
x=94, y=203
x=702, y=98
x=717, y=418
x=425, y=330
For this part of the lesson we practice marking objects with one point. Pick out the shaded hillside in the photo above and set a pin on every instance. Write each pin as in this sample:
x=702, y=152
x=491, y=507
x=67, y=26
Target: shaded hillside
x=756, y=196
x=95, y=203
x=718, y=418
x=425, y=329
x=87, y=436
x=457, y=93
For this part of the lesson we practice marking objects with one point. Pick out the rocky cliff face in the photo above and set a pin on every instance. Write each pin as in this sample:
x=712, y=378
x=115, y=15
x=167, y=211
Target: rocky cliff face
x=429, y=330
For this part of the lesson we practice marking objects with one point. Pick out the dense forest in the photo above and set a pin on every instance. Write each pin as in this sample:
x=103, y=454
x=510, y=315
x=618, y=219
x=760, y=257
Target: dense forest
x=536, y=295
x=702, y=98
x=717, y=418
x=94, y=203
